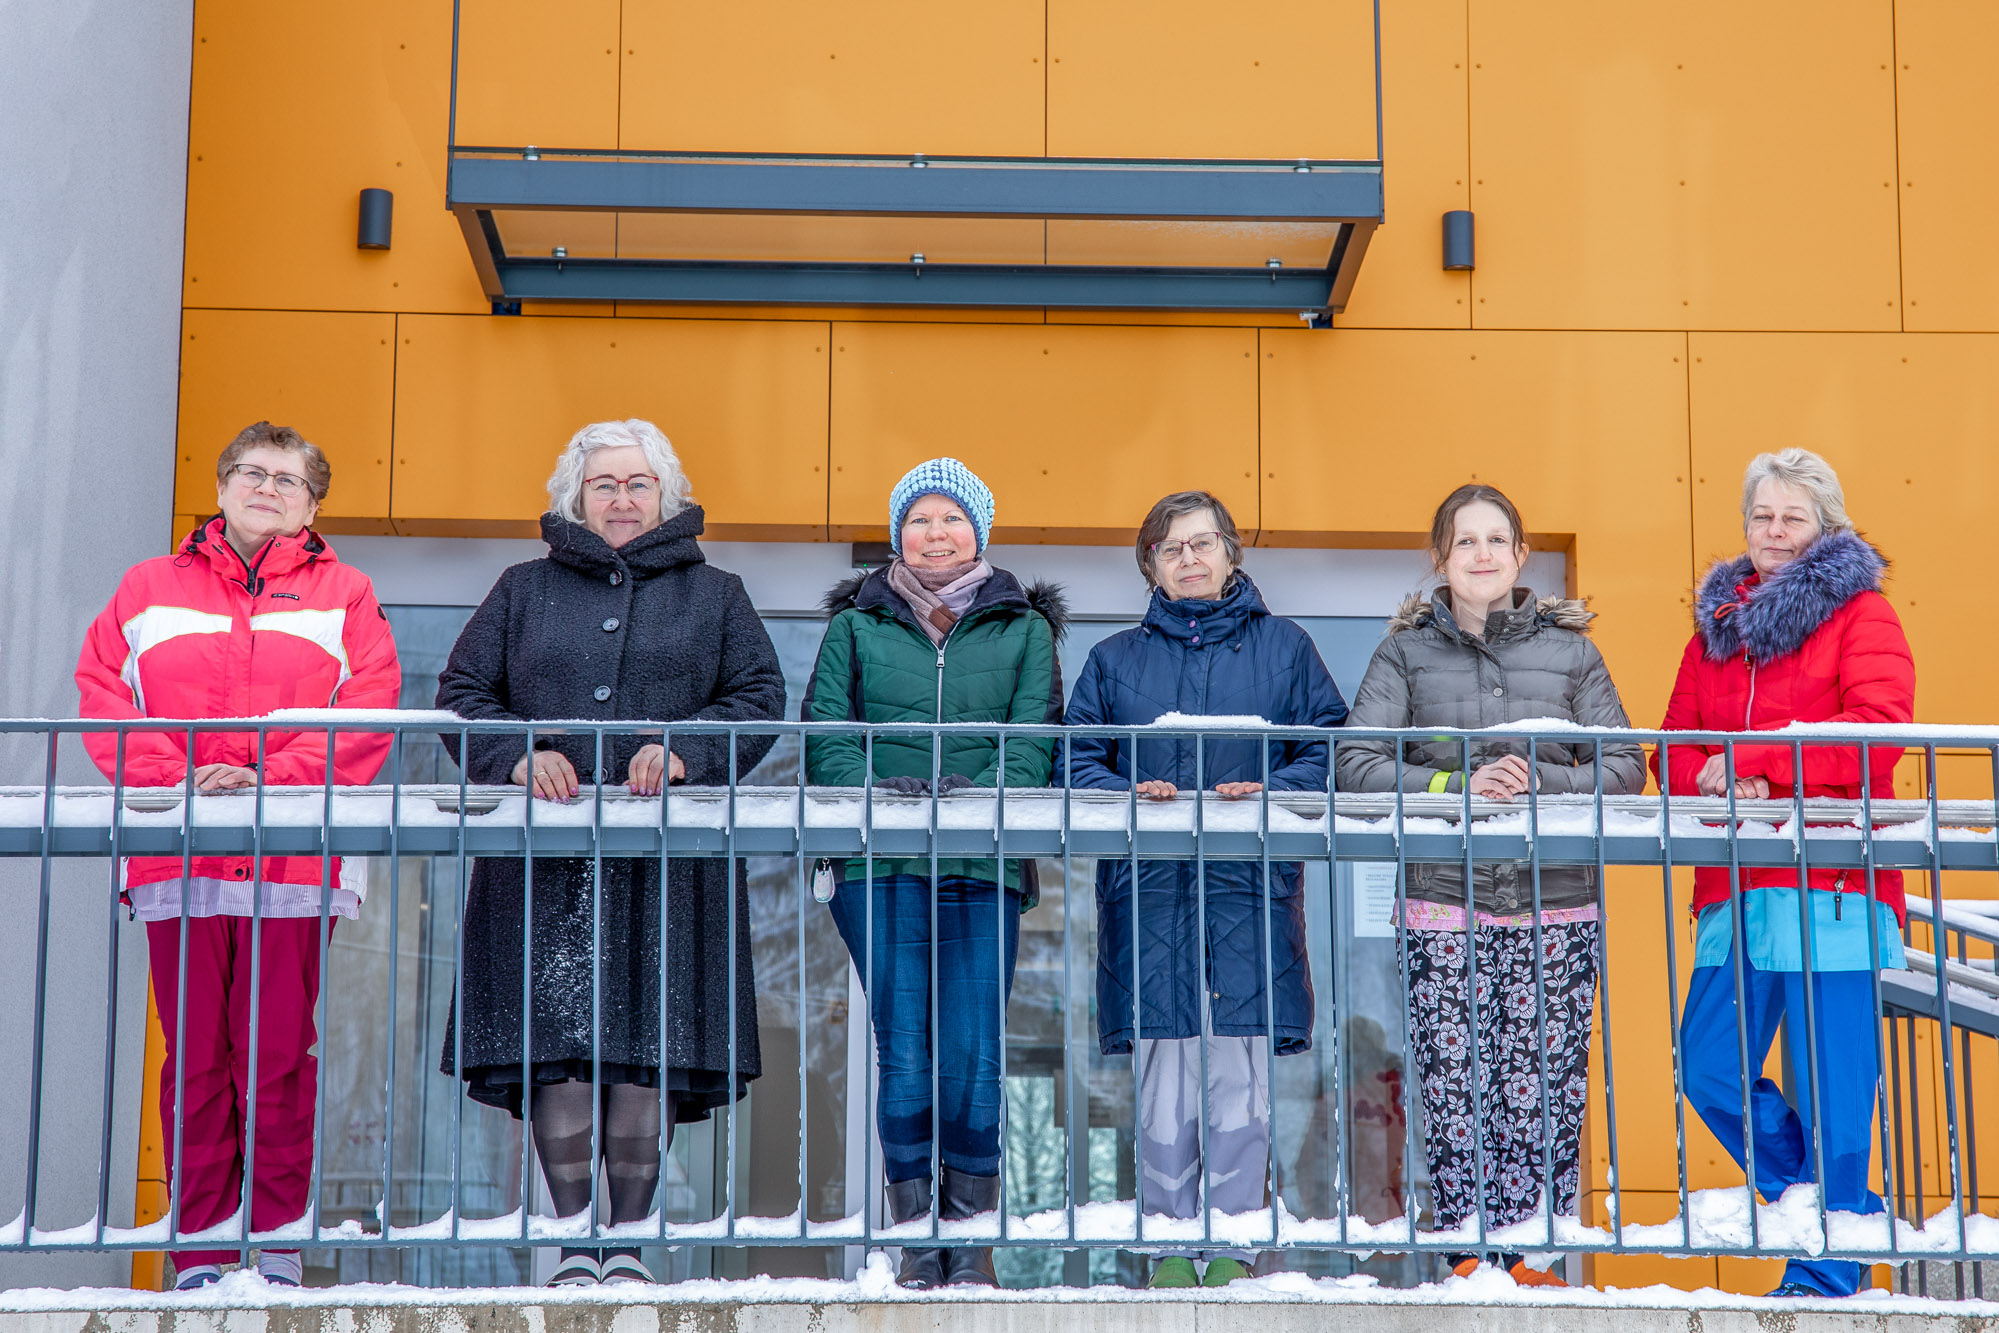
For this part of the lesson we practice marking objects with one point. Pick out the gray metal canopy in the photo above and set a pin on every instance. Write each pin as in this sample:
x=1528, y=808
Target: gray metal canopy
x=760, y=229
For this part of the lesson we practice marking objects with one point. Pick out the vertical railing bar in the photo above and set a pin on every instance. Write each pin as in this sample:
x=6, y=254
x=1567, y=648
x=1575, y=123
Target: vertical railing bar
x=1937, y=944
x=1342, y=926
x=804, y=886
x=1808, y=957
x=527, y=995
x=1539, y=933
x=256, y=999
x=1915, y=1122
x=1205, y=1016
x=1070, y=1037
x=1892, y=1089
x=666, y=957
x=999, y=953
x=865, y=967
x=110, y=993
x=601, y=777
x=735, y=924
x=1412, y=1086
x=179, y=1047
x=1471, y=1002
x=1269, y=952
x=1738, y=954
x=1672, y=991
x=462, y=890
x=1889, y=1163
x=1137, y=1006
x=42, y=911
x=1603, y=1005
x=936, y=979
x=1973, y=1199
x=395, y=958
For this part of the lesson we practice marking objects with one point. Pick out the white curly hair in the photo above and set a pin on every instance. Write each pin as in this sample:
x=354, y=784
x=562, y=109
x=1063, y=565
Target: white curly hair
x=565, y=484
x=1805, y=472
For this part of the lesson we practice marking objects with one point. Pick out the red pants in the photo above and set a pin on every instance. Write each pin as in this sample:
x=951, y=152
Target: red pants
x=214, y=1063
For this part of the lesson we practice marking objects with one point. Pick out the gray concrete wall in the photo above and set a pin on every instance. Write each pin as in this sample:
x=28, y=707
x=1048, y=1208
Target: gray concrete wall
x=93, y=168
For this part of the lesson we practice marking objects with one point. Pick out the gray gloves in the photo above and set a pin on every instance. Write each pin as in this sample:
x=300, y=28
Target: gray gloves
x=947, y=784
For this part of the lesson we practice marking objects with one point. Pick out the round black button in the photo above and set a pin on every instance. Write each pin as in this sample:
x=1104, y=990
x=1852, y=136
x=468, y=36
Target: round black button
x=610, y=624
x=601, y=693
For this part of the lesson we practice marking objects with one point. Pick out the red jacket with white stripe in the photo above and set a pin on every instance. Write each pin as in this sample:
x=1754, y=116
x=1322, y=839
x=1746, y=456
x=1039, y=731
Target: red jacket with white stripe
x=203, y=634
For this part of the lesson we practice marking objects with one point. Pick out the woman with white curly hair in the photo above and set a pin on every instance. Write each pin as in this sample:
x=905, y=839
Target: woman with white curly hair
x=624, y=620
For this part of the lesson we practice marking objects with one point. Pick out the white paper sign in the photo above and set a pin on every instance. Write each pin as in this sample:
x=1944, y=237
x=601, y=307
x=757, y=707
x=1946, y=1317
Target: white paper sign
x=1374, y=899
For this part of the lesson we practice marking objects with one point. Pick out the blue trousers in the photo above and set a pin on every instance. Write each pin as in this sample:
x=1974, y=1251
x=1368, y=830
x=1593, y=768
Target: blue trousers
x=1848, y=1080
x=975, y=921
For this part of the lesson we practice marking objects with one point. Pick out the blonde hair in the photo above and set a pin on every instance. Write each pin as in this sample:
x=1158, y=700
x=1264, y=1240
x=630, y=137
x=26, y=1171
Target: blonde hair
x=1805, y=472
x=565, y=484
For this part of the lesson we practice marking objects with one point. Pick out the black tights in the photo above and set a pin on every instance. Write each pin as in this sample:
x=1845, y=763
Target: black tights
x=629, y=1127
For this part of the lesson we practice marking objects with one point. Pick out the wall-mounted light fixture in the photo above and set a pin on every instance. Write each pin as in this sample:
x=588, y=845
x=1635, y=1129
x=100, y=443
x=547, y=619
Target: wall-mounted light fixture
x=377, y=210
x=1458, y=250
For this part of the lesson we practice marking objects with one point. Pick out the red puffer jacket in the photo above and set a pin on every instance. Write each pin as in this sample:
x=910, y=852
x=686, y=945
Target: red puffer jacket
x=200, y=634
x=1814, y=642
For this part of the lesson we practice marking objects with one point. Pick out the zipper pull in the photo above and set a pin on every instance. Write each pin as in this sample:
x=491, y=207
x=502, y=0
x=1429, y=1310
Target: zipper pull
x=822, y=881
x=1838, y=892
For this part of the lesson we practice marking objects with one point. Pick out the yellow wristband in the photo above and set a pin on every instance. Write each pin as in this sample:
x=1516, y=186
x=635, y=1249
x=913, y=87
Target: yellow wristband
x=1441, y=782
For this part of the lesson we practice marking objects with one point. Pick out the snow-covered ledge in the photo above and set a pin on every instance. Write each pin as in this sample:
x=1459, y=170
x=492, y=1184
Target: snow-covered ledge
x=1285, y=1303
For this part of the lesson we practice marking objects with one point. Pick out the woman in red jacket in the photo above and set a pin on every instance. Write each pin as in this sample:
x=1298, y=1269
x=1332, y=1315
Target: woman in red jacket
x=1796, y=630
x=254, y=613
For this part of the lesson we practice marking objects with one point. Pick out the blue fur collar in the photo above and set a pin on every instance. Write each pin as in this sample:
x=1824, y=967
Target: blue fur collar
x=1782, y=611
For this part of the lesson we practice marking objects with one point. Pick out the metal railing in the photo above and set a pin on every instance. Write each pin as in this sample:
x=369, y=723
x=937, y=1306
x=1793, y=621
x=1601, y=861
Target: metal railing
x=1925, y=1123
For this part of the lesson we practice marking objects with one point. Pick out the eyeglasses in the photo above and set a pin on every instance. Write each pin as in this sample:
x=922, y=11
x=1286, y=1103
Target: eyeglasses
x=288, y=484
x=1201, y=543
x=606, y=488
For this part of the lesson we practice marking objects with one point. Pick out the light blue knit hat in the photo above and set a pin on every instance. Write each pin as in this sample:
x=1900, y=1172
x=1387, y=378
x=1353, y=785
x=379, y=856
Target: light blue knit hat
x=947, y=477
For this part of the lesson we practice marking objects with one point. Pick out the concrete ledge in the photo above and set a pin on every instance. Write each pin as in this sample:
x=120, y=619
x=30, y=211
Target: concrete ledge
x=1326, y=1308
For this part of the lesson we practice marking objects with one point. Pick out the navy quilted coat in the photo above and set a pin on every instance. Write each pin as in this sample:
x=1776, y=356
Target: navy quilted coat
x=1223, y=658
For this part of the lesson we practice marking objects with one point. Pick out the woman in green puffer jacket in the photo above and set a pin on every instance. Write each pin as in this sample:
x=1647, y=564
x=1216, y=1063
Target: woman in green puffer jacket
x=938, y=635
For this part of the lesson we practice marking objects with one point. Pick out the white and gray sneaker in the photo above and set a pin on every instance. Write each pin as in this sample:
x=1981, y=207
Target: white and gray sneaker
x=623, y=1266
x=578, y=1268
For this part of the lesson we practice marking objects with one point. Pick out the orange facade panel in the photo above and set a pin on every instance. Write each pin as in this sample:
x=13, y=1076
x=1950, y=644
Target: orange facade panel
x=1697, y=165
x=1424, y=84
x=796, y=76
x=1364, y=431
x=485, y=405
x=1945, y=97
x=276, y=165
x=1077, y=430
x=330, y=376
x=1911, y=422
x=534, y=74
x=1188, y=78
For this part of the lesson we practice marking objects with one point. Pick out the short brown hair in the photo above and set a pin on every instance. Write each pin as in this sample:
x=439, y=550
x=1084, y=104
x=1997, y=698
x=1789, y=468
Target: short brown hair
x=1445, y=524
x=263, y=435
x=1177, y=505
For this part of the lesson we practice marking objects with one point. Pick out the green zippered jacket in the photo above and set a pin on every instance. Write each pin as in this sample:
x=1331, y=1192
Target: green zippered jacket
x=877, y=665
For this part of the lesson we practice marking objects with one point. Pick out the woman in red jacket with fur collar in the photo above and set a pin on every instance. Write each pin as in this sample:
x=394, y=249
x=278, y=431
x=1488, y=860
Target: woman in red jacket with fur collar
x=1794, y=631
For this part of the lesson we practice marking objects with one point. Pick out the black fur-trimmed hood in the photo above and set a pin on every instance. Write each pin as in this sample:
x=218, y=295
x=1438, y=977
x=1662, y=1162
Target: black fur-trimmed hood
x=1773, y=617
x=871, y=589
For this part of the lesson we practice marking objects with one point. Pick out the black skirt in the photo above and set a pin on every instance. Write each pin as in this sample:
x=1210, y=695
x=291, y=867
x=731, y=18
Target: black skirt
x=693, y=1092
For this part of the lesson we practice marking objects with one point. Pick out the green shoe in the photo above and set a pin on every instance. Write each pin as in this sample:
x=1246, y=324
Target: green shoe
x=1174, y=1272
x=1223, y=1271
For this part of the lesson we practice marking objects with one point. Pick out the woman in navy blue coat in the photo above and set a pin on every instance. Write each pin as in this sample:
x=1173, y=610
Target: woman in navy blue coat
x=1207, y=647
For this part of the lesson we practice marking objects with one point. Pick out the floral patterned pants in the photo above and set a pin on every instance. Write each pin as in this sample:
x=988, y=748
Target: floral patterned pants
x=1518, y=1047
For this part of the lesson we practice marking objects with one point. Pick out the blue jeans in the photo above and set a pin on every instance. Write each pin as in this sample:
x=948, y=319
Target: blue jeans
x=973, y=920
x=1848, y=1077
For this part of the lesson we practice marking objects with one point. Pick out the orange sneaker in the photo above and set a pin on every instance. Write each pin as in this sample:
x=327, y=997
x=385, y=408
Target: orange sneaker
x=1534, y=1277
x=1466, y=1267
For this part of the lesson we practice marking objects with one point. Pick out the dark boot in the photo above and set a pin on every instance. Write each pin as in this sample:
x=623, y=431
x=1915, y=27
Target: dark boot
x=967, y=1196
x=907, y=1201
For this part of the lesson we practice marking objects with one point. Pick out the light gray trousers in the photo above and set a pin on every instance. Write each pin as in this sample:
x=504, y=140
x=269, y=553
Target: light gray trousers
x=1169, y=1122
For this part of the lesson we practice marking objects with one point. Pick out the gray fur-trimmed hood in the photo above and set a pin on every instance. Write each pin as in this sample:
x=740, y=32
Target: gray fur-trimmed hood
x=871, y=588
x=1419, y=609
x=1773, y=617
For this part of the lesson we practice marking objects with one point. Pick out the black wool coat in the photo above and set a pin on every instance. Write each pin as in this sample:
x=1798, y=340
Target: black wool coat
x=647, y=631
